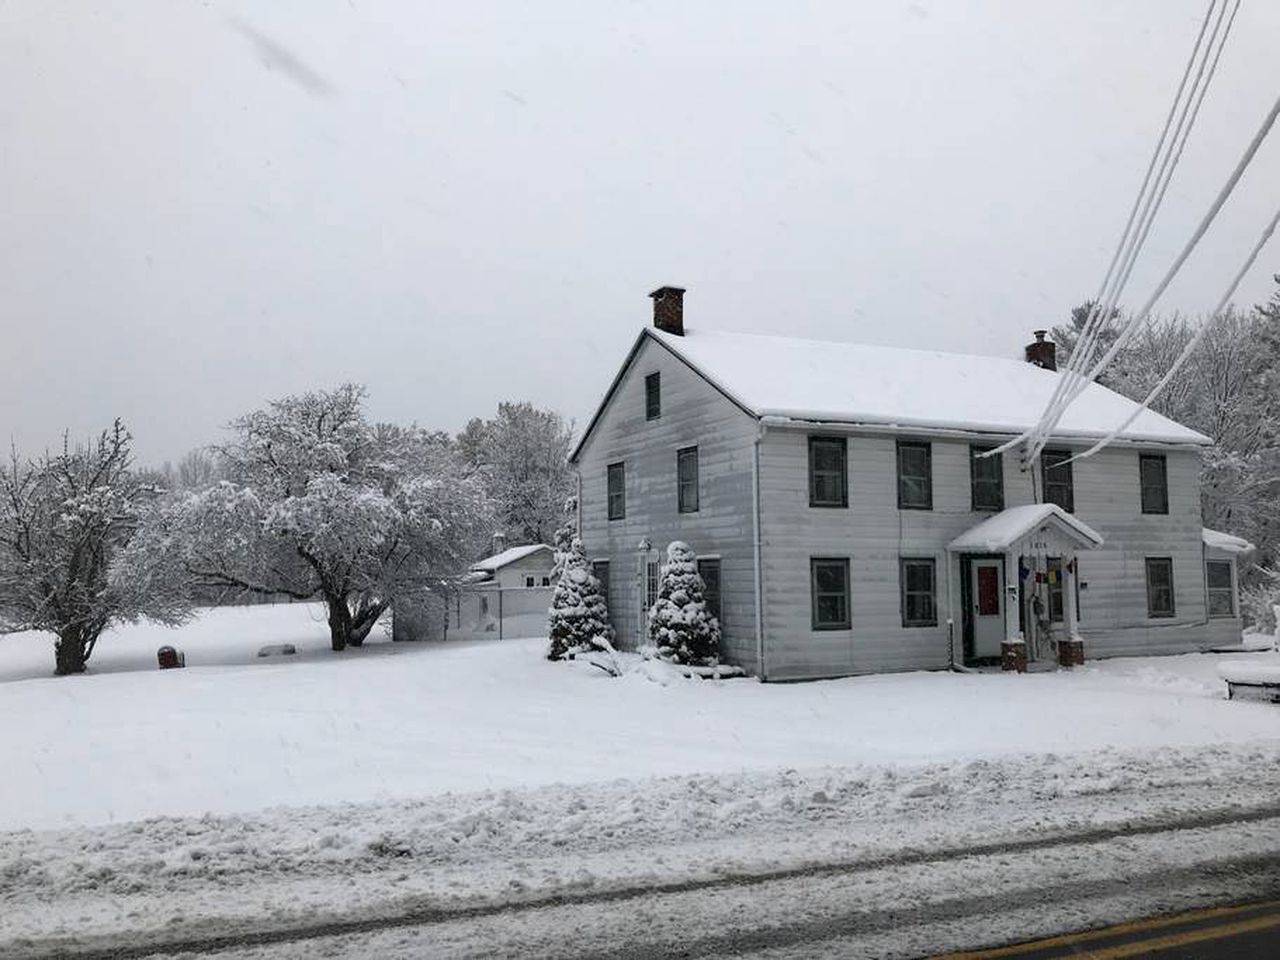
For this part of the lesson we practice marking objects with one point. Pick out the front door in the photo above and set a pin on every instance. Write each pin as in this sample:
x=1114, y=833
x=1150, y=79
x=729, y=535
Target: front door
x=988, y=606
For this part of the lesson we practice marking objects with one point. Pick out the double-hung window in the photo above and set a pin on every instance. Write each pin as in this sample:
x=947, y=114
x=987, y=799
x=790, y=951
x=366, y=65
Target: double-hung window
x=915, y=475
x=1154, y=477
x=986, y=480
x=617, y=490
x=828, y=472
x=919, y=581
x=687, y=480
x=1057, y=480
x=1221, y=589
x=653, y=396
x=1159, y=587
x=709, y=571
x=829, y=582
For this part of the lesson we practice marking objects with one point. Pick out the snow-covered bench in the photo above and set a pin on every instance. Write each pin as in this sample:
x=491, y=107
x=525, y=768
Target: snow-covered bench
x=1252, y=681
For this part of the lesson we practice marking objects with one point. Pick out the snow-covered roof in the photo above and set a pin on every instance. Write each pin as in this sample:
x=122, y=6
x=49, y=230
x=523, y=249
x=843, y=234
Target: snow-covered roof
x=510, y=555
x=815, y=380
x=1226, y=541
x=999, y=532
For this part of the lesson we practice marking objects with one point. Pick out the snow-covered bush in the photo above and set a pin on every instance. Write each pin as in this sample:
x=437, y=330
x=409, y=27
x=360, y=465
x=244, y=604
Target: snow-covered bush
x=1259, y=600
x=681, y=626
x=579, y=611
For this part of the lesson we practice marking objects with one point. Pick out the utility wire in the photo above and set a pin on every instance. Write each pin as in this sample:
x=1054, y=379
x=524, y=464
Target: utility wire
x=1191, y=344
x=1072, y=385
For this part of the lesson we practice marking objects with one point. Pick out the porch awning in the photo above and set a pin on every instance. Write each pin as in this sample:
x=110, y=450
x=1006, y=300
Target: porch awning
x=998, y=533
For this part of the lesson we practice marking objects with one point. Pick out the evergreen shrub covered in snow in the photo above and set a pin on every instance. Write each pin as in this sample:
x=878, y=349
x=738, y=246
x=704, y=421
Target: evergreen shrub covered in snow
x=579, y=611
x=680, y=625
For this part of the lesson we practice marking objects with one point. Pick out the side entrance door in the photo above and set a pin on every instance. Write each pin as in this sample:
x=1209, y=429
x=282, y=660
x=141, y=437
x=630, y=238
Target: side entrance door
x=987, y=591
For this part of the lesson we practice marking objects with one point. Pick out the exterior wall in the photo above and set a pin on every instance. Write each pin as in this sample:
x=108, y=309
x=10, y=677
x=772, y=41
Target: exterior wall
x=537, y=565
x=1225, y=631
x=874, y=534
x=693, y=412
x=1113, y=608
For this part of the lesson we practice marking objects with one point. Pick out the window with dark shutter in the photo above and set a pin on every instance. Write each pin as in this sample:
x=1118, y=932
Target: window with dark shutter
x=1160, y=587
x=829, y=580
x=918, y=580
x=915, y=475
x=709, y=571
x=653, y=396
x=986, y=480
x=1221, y=590
x=1057, y=480
x=1154, y=476
x=687, y=480
x=600, y=569
x=828, y=477
x=617, y=486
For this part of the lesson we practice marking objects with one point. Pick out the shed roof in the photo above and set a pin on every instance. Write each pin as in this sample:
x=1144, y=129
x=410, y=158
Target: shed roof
x=508, y=556
x=1228, y=543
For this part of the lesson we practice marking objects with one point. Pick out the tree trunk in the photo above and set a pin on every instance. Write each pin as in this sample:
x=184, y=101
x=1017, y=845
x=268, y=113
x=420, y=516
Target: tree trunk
x=339, y=622
x=364, y=622
x=69, y=652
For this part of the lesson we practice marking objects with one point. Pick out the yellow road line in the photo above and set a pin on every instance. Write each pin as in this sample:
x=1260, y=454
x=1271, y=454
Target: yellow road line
x=1182, y=939
x=1133, y=926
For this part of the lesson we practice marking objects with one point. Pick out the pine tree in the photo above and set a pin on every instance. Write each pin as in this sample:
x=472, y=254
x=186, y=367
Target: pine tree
x=680, y=625
x=579, y=611
x=566, y=533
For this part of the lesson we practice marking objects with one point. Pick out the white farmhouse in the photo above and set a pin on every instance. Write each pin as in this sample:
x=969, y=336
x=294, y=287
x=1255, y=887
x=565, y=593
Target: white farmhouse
x=845, y=522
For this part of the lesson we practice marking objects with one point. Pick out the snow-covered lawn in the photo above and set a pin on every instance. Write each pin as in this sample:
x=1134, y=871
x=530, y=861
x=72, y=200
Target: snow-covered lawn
x=232, y=733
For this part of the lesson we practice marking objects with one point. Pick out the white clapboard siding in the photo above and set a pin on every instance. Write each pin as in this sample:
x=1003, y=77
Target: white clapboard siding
x=693, y=413
x=874, y=534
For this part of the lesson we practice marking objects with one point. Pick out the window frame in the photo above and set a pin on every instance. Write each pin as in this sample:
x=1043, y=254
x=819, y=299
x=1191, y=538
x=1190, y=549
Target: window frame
x=905, y=593
x=1045, y=455
x=815, y=441
x=685, y=455
x=1057, y=591
x=927, y=446
x=529, y=581
x=652, y=583
x=620, y=470
x=1153, y=613
x=716, y=608
x=1162, y=506
x=846, y=622
x=997, y=461
x=653, y=396
x=596, y=566
x=1229, y=590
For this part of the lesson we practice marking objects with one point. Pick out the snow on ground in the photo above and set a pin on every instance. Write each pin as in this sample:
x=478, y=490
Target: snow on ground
x=471, y=773
x=232, y=733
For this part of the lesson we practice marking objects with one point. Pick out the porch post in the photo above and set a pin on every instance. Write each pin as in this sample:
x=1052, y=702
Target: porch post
x=1070, y=647
x=1013, y=649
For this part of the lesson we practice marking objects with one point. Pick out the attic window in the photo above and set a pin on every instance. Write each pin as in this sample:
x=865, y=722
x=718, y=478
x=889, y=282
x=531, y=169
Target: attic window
x=653, y=396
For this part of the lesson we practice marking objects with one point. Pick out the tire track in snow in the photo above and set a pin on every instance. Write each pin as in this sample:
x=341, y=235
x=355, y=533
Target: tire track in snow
x=138, y=946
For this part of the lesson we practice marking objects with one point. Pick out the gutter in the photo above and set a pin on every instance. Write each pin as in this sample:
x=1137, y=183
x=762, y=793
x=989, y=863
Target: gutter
x=759, y=578
x=995, y=436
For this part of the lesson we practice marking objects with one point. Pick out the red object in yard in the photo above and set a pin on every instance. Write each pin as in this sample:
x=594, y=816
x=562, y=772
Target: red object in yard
x=170, y=658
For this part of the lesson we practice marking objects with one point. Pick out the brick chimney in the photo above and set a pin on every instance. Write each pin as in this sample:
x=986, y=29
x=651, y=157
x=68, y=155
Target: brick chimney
x=1043, y=353
x=668, y=310
x=499, y=542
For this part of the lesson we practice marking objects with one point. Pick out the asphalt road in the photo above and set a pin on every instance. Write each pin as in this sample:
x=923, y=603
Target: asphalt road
x=1242, y=932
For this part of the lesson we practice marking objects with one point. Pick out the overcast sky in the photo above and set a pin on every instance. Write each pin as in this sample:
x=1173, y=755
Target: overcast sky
x=207, y=205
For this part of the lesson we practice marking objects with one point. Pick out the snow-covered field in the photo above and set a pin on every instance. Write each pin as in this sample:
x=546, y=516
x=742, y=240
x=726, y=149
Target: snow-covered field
x=233, y=733
x=378, y=780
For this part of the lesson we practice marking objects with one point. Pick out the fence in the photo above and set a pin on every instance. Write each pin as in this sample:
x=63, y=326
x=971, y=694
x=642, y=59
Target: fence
x=477, y=613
